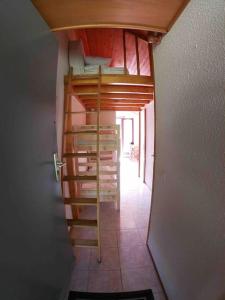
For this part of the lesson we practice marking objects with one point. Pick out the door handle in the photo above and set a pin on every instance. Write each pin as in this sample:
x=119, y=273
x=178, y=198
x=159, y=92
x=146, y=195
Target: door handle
x=57, y=166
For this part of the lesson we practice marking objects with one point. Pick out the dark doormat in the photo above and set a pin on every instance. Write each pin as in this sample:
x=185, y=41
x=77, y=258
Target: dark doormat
x=139, y=295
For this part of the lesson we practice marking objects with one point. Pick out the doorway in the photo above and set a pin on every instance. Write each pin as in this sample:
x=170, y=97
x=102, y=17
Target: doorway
x=127, y=129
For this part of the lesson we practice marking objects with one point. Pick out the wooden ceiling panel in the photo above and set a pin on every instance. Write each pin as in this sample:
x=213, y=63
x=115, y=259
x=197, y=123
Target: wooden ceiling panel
x=152, y=15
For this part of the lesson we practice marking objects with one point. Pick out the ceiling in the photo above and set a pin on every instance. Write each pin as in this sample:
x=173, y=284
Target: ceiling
x=151, y=15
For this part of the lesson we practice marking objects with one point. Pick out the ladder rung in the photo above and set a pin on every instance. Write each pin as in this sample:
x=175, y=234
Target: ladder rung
x=79, y=132
x=80, y=201
x=84, y=243
x=82, y=223
x=101, y=172
x=88, y=76
x=77, y=154
x=103, y=163
x=79, y=178
x=80, y=112
x=102, y=127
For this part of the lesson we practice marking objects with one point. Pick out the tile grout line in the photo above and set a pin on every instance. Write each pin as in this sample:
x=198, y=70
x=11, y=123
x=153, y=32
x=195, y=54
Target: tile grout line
x=88, y=280
x=121, y=278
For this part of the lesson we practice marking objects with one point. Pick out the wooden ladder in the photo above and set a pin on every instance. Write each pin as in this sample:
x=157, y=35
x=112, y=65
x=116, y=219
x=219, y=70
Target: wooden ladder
x=68, y=173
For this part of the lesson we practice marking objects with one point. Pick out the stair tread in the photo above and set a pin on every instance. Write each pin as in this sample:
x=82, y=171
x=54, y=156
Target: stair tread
x=77, y=154
x=82, y=222
x=81, y=201
x=101, y=172
x=84, y=243
x=80, y=178
x=80, y=131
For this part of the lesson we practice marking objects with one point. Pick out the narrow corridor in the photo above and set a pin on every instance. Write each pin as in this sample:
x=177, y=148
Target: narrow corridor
x=126, y=263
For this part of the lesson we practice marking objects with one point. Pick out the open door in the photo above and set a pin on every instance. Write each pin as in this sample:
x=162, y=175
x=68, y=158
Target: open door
x=36, y=257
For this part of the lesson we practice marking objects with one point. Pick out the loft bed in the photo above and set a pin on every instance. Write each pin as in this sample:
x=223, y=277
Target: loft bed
x=119, y=89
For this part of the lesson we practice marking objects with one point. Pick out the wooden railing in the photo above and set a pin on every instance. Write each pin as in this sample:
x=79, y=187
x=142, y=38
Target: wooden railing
x=135, y=52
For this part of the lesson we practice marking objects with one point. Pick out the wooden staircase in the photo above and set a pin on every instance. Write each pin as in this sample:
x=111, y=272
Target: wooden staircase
x=71, y=179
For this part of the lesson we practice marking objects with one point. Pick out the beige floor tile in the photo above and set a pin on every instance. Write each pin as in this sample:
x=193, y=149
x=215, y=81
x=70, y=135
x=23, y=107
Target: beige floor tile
x=139, y=279
x=82, y=258
x=125, y=222
x=109, y=238
x=110, y=259
x=104, y=281
x=135, y=257
x=79, y=281
x=129, y=238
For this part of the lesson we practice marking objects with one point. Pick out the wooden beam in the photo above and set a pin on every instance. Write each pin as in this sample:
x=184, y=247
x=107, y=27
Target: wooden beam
x=109, y=101
x=124, y=89
x=112, y=80
x=118, y=96
x=114, y=106
x=120, y=109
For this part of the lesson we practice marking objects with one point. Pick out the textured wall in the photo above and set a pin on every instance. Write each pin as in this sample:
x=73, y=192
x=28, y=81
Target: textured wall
x=188, y=216
x=149, y=143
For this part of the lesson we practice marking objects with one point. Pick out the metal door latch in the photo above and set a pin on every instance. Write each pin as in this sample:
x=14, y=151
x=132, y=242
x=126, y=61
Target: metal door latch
x=57, y=166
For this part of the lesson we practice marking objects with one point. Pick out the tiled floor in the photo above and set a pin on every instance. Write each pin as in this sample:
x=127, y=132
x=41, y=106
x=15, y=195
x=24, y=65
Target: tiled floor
x=126, y=263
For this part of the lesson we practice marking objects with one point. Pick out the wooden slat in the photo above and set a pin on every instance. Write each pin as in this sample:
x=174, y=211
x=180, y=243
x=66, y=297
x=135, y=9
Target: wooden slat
x=79, y=178
x=81, y=223
x=102, y=163
x=137, y=55
x=80, y=201
x=117, y=102
x=114, y=104
x=71, y=155
x=124, y=89
x=80, y=132
x=101, y=172
x=120, y=109
x=84, y=243
x=119, y=96
x=102, y=127
x=124, y=51
x=113, y=80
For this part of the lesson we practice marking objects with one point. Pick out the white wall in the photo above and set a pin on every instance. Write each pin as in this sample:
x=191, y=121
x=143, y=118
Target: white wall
x=106, y=118
x=187, y=228
x=149, y=143
x=62, y=70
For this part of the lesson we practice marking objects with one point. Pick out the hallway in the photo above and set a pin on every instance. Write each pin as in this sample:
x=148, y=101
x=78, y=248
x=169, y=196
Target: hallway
x=126, y=263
